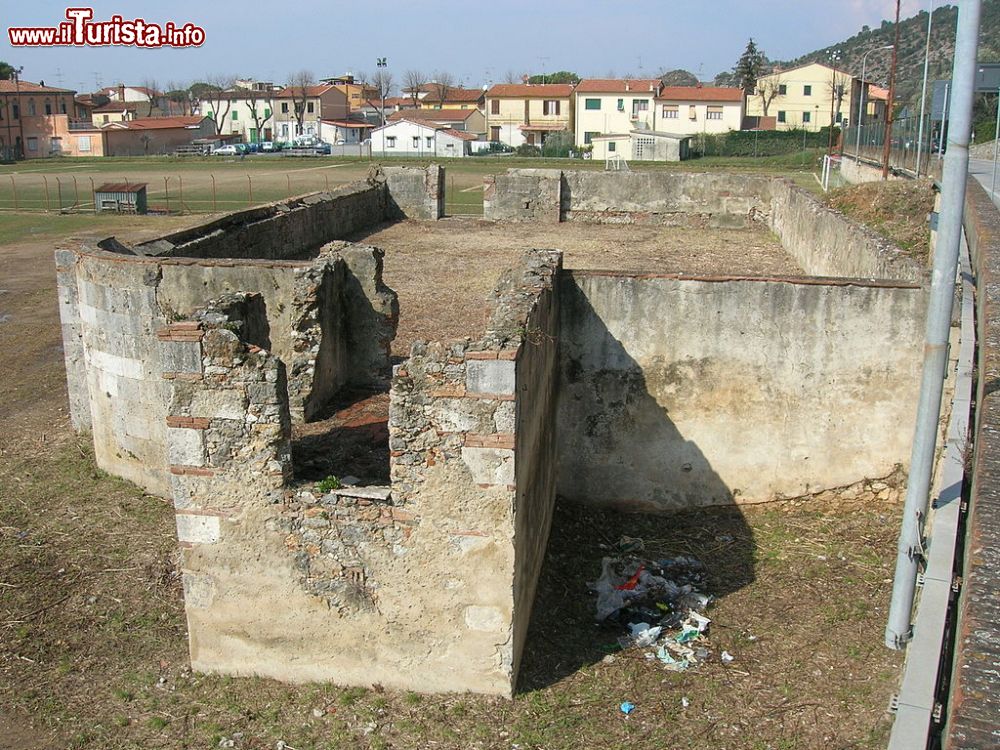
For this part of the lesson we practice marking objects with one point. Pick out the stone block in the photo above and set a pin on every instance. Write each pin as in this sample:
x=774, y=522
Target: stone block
x=186, y=446
x=181, y=356
x=490, y=465
x=490, y=376
x=197, y=528
x=219, y=404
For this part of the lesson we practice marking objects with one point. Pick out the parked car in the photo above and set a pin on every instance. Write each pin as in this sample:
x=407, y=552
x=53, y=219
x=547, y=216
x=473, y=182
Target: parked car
x=254, y=147
x=242, y=148
x=341, y=142
x=270, y=146
x=323, y=148
x=229, y=150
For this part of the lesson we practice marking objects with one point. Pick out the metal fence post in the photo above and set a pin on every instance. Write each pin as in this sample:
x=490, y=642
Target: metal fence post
x=13, y=188
x=48, y=203
x=215, y=206
x=249, y=190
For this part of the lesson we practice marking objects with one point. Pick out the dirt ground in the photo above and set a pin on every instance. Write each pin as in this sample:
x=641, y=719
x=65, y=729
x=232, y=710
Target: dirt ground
x=444, y=271
x=93, y=650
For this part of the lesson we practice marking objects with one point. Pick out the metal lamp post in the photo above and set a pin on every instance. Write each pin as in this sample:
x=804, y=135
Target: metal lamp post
x=834, y=59
x=861, y=103
x=381, y=63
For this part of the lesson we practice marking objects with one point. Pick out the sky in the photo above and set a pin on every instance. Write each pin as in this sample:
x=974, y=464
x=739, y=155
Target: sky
x=476, y=43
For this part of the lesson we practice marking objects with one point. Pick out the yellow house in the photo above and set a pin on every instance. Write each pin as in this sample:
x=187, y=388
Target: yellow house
x=357, y=92
x=528, y=112
x=808, y=97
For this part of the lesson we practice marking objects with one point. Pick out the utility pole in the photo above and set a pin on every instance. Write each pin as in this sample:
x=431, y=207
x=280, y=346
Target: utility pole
x=892, y=95
x=923, y=91
x=834, y=58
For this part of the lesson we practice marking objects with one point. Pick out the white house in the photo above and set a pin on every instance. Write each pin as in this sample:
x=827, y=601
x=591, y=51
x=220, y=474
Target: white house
x=689, y=110
x=344, y=132
x=248, y=113
x=605, y=106
x=411, y=138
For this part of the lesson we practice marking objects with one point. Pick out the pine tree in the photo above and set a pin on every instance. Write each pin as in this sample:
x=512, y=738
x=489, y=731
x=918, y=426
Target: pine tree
x=749, y=68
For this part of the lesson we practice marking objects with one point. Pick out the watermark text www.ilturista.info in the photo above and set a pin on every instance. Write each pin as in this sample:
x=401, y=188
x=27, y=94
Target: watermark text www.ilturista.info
x=79, y=30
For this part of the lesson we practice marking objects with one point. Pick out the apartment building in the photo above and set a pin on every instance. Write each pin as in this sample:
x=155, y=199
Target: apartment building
x=247, y=112
x=689, y=110
x=298, y=110
x=34, y=118
x=528, y=113
x=606, y=106
x=807, y=97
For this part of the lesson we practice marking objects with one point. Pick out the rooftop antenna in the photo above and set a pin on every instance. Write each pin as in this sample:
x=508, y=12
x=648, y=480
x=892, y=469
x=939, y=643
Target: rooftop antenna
x=97, y=81
x=544, y=61
x=59, y=77
x=640, y=66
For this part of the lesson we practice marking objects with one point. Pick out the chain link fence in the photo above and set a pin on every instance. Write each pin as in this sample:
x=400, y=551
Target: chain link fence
x=868, y=143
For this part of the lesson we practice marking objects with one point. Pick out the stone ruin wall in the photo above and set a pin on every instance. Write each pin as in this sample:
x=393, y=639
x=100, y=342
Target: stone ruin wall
x=189, y=367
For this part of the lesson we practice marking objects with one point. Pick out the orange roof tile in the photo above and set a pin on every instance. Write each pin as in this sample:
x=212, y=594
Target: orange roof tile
x=701, y=94
x=616, y=85
x=9, y=86
x=531, y=90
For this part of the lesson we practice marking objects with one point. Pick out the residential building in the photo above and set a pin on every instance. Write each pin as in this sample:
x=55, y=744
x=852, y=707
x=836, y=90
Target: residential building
x=34, y=118
x=357, y=92
x=465, y=120
x=114, y=112
x=155, y=135
x=298, y=110
x=805, y=97
x=412, y=137
x=689, y=110
x=244, y=112
x=642, y=145
x=345, y=132
x=606, y=106
x=528, y=113
x=123, y=93
x=433, y=96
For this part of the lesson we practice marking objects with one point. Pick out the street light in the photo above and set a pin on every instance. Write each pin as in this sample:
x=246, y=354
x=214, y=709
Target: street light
x=834, y=59
x=380, y=63
x=861, y=104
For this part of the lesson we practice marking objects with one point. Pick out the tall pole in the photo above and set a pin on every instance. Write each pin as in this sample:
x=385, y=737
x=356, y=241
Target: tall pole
x=861, y=103
x=892, y=97
x=923, y=91
x=956, y=172
x=944, y=120
x=834, y=58
x=996, y=146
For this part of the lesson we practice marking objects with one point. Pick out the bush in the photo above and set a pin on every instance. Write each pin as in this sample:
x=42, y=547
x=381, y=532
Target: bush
x=761, y=142
x=527, y=149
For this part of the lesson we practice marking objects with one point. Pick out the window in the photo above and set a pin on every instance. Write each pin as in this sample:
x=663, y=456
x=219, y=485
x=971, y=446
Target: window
x=284, y=108
x=83, y=143
x=267, y=113
x=416, y=141
x=494, y=106
x=714, y=113
x=430, y=141
x=310, y=107
x=589, y=136
x=390, y=141
x=48, y=107
x=621, y=105
x=32, y=143
x=550, y=107
x=17, y=112
x=840, y=117
x=55, y=145
x=591, y=103
x=670, y=111
x=450, y=146
x=236, y=115
x=782, y=89
x=692, y=112
x=612, y=146
x=62, y=106
x=107, y=118
x=31, y=107
x=495, y=133
x=807, y=90
x=640, y=105
x=781, y=116
x=806, y=117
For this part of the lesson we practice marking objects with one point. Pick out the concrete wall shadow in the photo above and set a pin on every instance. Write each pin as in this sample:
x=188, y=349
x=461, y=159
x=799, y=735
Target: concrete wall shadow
x=604, y=399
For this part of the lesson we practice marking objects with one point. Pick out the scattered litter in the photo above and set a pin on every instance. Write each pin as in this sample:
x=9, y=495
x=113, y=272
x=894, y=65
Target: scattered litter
x=628, y=544
x=685, y=702
x=226, y=742
x=627, y=708
x=319, y=713
x=609, y=659
x=727, y=657
x=658, y=603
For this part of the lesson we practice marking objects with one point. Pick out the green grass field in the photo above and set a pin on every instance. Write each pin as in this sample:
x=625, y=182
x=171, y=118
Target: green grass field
x=186, y=185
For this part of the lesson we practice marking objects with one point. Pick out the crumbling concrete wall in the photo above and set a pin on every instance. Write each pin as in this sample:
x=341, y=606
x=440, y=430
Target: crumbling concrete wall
x=824, y=242
x=677, y=392
x=414, y=192
x=426, y=584
x=524, y=195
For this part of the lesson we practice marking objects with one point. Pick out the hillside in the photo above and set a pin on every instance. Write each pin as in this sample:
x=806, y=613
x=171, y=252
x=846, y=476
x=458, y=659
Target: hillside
x=912, y=40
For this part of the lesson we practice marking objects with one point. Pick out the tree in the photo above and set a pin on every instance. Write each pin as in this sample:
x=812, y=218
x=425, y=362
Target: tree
x=299, y=89
x=837, y=87
x=412, y=81
x=6, y=71
x=441, y=83
x=679, y=77
x=179, y=97
x=749, y=68
x=383, y=83
x=768, y=89
x=511, y=77
x=216, y=91
x=560, y=76
x=152, y=92
x=255, y=100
